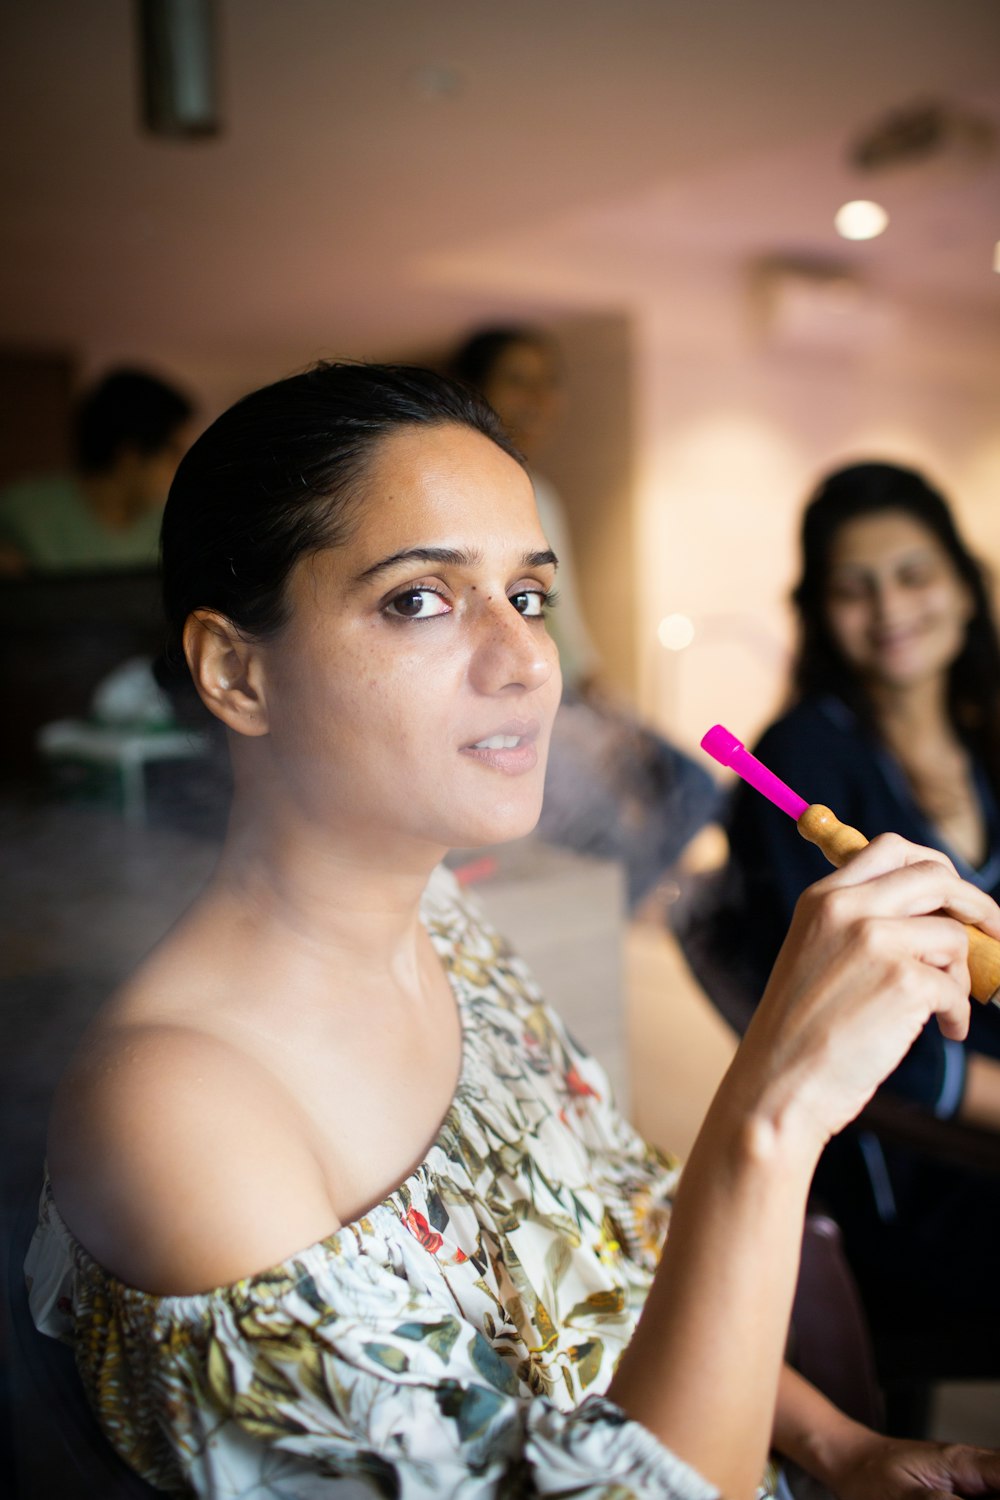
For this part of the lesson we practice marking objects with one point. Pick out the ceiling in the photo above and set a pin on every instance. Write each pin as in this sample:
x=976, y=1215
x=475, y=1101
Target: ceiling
x=582, y=153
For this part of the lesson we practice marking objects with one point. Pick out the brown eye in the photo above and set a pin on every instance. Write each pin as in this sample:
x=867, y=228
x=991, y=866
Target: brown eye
x=417, y=604
x=917, y=578
x=530, y=602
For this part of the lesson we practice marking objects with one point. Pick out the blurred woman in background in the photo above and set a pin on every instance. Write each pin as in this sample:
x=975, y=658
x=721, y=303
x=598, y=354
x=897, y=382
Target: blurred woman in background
x=895, y=725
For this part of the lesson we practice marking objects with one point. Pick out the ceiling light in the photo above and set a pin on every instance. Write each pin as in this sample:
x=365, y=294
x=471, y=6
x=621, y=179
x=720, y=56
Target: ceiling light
x=675, y=632
x=860, y=219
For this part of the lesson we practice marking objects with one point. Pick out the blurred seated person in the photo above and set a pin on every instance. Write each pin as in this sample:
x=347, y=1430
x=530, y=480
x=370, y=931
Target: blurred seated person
x=131, y=430
x=894, y=724
x=615, y=789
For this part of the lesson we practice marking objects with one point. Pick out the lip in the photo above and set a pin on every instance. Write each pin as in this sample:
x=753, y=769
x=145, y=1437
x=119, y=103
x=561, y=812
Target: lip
x=890, y=640
x=514, y=761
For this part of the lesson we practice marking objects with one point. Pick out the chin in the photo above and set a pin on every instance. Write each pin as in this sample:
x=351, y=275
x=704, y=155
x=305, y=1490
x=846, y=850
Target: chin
x=494, y=826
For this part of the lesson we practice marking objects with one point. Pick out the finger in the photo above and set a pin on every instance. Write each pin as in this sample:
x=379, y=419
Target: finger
x=954, y=1022
x=936, y=943
x=889, y=851
x=917, y=887
x=972, y=1471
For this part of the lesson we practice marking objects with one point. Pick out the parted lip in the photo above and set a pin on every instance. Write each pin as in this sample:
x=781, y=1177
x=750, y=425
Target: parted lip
x=524, y=729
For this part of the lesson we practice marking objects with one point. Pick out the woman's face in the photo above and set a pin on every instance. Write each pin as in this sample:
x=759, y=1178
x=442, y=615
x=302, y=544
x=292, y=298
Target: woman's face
x=524, y=390
x=411, y=693
x=895, y=604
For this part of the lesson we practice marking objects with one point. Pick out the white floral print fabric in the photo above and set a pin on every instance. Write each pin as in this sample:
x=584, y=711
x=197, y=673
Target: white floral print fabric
x=454, y=1342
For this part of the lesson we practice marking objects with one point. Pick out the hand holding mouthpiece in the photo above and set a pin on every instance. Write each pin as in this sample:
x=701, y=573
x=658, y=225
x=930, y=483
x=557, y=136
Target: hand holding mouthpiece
x=839, y=841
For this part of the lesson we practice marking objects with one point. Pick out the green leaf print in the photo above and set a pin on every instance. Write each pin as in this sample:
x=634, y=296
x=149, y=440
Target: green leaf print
x=489, y=1364
x=605, y=1304
x=440, y=1336
x=558, y=1258
x=220, y=1375
x=471, y=1407
x=437, y=1214
x=388, y=1357
x=587, y=1358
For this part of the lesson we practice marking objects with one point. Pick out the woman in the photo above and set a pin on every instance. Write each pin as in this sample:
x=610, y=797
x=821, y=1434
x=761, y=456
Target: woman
x=296, y=1255
x=614, y=789
x=895, y=725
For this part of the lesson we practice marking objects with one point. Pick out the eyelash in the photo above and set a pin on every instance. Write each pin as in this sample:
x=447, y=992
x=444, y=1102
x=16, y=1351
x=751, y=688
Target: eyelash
x=548, y=598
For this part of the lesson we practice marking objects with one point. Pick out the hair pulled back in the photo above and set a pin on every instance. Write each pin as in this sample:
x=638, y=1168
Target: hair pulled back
x=273, y=479
x=867, y=489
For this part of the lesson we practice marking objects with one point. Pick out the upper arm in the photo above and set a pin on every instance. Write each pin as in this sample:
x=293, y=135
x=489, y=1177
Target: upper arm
x=179, y=1164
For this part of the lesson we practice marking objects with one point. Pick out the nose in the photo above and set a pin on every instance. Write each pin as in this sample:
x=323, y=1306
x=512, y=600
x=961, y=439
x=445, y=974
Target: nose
x=511, y=652
x=886, y=598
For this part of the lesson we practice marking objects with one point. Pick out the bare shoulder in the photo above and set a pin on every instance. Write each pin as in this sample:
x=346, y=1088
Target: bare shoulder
x=179, y=1162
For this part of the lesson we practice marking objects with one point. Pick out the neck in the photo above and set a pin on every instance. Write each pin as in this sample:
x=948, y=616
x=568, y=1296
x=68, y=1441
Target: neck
x=335, y=899
x=916, y=709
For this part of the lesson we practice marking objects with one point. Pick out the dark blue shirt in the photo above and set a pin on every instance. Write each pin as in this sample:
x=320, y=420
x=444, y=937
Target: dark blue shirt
x=822, y=752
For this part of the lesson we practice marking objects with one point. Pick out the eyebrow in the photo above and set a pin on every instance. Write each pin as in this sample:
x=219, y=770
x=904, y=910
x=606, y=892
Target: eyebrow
x=456, y=557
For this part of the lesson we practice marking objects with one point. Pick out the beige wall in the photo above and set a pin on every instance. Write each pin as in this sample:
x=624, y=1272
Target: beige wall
x=591, y=461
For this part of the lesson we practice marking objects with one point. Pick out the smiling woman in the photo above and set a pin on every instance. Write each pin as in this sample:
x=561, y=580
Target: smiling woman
x=335, y=1203
x=896, y=725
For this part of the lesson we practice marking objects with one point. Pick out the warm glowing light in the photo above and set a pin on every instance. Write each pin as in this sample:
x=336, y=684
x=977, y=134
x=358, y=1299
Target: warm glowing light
x=996, y=256
x=675, y=632
x=860, y=219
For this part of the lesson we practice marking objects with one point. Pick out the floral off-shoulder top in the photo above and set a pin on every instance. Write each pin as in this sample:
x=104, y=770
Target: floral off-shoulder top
x=454, y=1342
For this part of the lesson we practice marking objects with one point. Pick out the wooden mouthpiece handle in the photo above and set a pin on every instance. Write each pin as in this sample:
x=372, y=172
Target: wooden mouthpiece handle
x=839, y=842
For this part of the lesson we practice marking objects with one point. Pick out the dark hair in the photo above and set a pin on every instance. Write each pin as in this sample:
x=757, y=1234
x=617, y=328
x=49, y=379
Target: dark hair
x=273, y=478
x=974, y=677
x=474, y=361
x=127, y=409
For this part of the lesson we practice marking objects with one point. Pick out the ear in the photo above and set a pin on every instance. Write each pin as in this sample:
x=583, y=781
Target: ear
x=227, y=671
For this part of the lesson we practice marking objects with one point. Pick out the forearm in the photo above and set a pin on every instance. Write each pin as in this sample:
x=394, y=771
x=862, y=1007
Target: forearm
x=851, y=989
x=812, y=1432
x=981, y=1100
x=702, y=1370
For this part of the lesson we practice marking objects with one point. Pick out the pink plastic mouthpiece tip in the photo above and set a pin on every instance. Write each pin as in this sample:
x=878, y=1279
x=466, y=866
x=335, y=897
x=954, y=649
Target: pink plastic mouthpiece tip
x=722, y=745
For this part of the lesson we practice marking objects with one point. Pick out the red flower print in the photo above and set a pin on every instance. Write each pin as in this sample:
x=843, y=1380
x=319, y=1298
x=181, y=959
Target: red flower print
x=421, y=1230
x=579, y=1087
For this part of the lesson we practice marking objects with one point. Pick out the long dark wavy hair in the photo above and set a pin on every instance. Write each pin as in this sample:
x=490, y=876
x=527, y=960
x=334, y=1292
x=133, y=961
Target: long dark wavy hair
x=866, y=489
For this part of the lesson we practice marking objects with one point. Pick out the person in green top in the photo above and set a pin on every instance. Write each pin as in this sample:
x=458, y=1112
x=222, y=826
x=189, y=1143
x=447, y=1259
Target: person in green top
x=131, y=431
